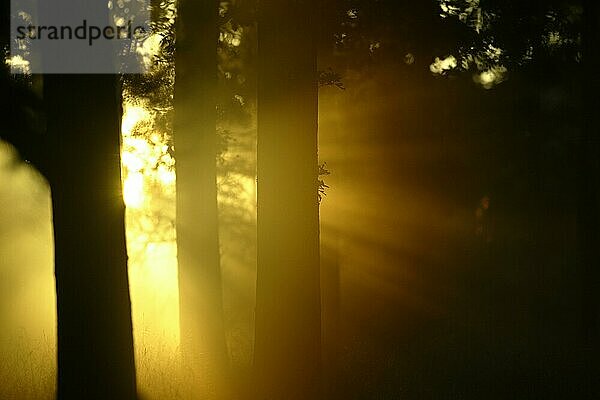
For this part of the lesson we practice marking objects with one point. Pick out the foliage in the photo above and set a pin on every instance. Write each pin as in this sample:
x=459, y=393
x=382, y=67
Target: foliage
x=323, y=171
x=329, y=77
x=498, y=36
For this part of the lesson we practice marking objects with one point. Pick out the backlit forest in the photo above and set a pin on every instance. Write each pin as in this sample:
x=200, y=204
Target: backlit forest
x=308, y=200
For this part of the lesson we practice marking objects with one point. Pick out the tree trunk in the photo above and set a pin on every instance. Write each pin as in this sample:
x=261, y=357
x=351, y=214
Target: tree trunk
x=588, y=216
x=95, y=343
x=201, y=303
x=288, y=324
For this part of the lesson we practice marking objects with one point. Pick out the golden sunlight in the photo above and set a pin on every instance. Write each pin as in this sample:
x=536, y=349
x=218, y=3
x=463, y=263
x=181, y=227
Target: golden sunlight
x=148, y=173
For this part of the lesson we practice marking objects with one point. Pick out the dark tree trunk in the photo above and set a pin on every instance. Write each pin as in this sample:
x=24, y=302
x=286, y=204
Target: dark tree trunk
x=288, y=323
x=588, y=218
x=79, y=155
x=95, y=343
x=202, y=331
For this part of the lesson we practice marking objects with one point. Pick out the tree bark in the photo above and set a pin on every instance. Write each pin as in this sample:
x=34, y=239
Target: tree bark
x=588, y=213
x=201, y=303
x=288, y=323
x=95, y=343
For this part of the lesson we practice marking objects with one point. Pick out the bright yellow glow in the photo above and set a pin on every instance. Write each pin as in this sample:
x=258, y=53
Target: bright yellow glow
x=148, y=48
x=132, y=115
x=491, y=77
x=18, y=64
x=487, y=77
x=440, y=66
x=148, y=171
x=166, y=176
x=28, y=311
x=133, y=190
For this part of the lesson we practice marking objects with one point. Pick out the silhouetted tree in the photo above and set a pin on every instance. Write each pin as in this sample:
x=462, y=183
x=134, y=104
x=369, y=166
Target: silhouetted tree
x=79, y=154
x=588, y=215
x=202, y=331
x=288, y=327
x=95, y=344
